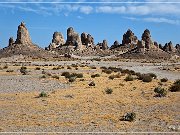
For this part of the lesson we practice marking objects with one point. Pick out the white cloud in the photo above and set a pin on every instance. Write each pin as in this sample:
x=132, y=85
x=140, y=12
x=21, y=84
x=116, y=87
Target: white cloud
x=110, y=9
x=149, y=11
x=162, y=20
x=86, y=9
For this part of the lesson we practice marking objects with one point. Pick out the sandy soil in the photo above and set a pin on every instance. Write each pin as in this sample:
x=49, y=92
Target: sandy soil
x=82, y=108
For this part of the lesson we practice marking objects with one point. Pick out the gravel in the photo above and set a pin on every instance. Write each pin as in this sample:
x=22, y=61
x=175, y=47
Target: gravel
x=28, y=83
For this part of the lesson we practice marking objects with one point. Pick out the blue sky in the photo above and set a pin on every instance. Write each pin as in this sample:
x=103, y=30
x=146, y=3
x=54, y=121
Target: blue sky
x=105, y=20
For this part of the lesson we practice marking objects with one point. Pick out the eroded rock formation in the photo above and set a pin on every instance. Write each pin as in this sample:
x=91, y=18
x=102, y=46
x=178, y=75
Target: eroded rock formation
x=87, y=40
x=146, y=36
x=23, y=35
x=11, y=41
x=58, y=40
x=169, y=47
x=129, y=38
x=103, y=45
x=73, y=38
x=116, y=44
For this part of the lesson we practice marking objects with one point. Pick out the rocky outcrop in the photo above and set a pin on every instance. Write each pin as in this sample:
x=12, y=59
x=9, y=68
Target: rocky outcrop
x=141, y=46
x=73, y=39
x=115, y=45
x=169, y=47
x=57, y=41
x=24, y=46
x=129, y=38
x=11, y=41
x=146, y=36
x=23, y=35
x=160, y=46
x=103, y=45
x=87, y=40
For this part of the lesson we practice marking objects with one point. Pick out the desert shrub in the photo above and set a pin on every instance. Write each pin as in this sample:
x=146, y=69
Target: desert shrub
x=112, y=77
x=164, y=80
x=115, y=69
x=43, y=76
x=160, y=92
x=146, y=78
x=152, y=75
x=1, y=68
x=43, y=94
x=92, y=83
x=55, y=68
x=129, y=78
x=129, y=116
x=66, y=74
x=69, y=67
x=72, y=79
x=82, y=80
x=74, y=65
x=9, y=71
x=126, y=71
x=176, y=86
x=5, y=67
x=48, y=74
x=76, y=68
x=107, y=71
x=95, y=75
x=55, y=77
x=93, y=67
x=37, y=68
x=96, y=59
x=118, y=75
x=23, y=70
x=103, y=67
x=132, y=72
x=139, y=76
x=77, y=75
x=108, y=90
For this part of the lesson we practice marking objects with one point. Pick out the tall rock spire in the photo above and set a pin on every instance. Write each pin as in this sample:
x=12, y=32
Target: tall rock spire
x=23, y=35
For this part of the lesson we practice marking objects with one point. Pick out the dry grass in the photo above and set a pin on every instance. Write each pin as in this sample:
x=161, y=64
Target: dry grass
x=90, y=104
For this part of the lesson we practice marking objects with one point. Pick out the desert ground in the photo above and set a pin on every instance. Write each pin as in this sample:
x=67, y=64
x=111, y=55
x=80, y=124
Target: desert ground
x=77, y=107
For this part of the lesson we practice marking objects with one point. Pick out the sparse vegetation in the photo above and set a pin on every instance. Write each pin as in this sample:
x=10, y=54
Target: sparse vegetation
x=5, y=67
x=55, y=68
x=66, y=74
x=164, y=80
x=146, y=78
x=43, y=76
x=37, y=68
x=160, y=92
x=9, y=71
x=74, y=65
x=95, y=75
x=107, y=71
x=69, y=67
x=23, y=70
x=176, y=86
x=72, y=79
x=92, y=83
x=129, y=78
x=152, y=75
x=103, y=67
x=93, y=67
x=77, y=75
x=55, y=77
x=43, y=94
x=108, y=90
x=129, y=117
